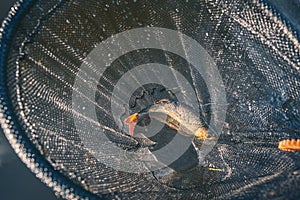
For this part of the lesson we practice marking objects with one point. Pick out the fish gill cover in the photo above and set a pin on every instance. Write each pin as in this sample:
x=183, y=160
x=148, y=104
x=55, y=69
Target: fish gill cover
x=72, y=71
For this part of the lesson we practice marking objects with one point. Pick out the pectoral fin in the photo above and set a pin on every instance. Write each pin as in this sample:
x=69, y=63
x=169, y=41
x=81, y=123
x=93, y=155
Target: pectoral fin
x=132, y=121
x=172, y=123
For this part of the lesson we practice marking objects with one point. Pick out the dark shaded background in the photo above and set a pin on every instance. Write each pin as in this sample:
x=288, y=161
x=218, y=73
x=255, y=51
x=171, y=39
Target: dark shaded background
x=17, y=182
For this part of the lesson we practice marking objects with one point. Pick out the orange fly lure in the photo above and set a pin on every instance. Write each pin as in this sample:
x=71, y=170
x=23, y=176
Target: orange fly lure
x=291, y=145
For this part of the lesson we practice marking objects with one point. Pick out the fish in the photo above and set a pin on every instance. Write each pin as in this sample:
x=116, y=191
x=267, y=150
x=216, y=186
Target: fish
x=290, y=145
x=177, y=116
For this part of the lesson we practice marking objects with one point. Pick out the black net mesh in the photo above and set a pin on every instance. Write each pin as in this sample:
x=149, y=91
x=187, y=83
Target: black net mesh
x=256, y=52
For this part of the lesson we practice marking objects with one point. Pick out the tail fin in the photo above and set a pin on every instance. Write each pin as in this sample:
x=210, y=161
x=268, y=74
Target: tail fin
x=204, y=134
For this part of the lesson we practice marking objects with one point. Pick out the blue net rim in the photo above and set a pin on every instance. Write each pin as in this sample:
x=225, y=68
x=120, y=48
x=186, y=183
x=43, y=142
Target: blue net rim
x=21, y=144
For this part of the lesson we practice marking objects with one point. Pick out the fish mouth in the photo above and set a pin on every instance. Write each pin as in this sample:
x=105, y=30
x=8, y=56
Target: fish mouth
x=132, y=121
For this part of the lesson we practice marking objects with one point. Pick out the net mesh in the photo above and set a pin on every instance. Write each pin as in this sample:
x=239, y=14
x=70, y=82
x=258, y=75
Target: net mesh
x=255, y=50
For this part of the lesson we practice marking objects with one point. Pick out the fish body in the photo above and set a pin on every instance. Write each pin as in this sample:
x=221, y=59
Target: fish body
x=176, y=115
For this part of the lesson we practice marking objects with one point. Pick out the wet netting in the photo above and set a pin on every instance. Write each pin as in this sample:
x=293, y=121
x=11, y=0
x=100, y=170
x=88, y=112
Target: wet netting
x=247, y=89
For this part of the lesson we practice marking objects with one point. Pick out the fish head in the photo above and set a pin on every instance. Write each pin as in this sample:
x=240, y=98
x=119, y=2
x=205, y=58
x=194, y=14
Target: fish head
x=141, y=118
